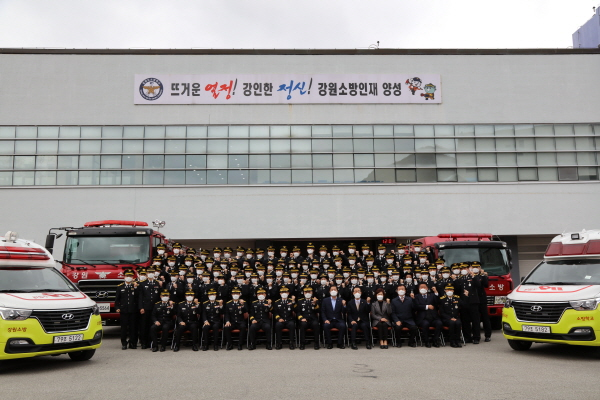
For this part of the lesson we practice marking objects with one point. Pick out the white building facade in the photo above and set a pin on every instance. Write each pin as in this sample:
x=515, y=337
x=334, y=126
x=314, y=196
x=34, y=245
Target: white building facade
x=511, y=148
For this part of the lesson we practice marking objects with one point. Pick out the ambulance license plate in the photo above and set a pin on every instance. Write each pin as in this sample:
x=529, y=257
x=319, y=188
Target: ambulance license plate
x=104, y=307
x=68, y=338
x=536, y=329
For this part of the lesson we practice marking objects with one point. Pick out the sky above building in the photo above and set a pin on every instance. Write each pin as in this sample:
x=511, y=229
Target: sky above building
x=311, y=24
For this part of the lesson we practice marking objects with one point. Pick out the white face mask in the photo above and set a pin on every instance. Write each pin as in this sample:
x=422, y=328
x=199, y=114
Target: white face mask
x=173, y=279
x=271, y=253
x=424, y=277
x=445, y=275
x=235, y=296
x=346, y=274
x=166, y=298
x=284, y=295
x=302, y=281
x=382, y=252
x=475, y=270
x=323, y=253
x=408, y=280
x=269, y=281
x=305, y=267
x=370, y=280
x=449, y=294
x=422, y=260
x=333, y=293
x=354, y=281
x=418, y=276
x=209, y=265
x=189, y=298
x=400, y=252
x=254, y=280
x=352, y=262
x=206, y=279
x=261, y=273
x=456, y=271
x=203, y=257
x=308, y=295
x=239, y=254
x=313, y=276
x=338, y=281
x=286, y=280
x=143, y=278
x=336, y=253
x=370, y=263
x=188, y=263
x=233, y=273
x=296, y=254
x=217, y=255
x=212, y=298
x=150, y=275
x=128, y=279
x=432, y=273
x=261, y=297
x=396, y=277
x=365, y=252
x=182, y=273
x=407, y=262
x=401, y=292
x=161, y=252
x=464, y=272
x=240, y=281
x=156, y=264
x=383, y=278
x=294, y=275
x=380, y=297
x=248, y=256
x=323, y=282
x=310, y=251
x=259, y=256
x=423, y=291
x=357, y=295
x=417, y=249
x=199, y=272
x=351, y=251
x=221, y=282
x=227, y=255
x=390, y=261
x=278, y=273
x=439, y=266
x=361, y=276
x=283, y=255
x=216, y=273
x=176, y=251
x=171, y=263
x=338, y=263
x=248, y=274
x=190, y=280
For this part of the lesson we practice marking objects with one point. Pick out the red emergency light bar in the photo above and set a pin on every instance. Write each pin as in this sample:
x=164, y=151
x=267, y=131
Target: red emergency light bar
x=556, y=249
x=466, y=235
x=115, y=222
x=22, y=253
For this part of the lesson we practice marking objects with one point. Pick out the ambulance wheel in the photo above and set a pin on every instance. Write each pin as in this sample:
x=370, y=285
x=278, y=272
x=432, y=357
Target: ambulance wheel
x=83, y=355
x=519, y=345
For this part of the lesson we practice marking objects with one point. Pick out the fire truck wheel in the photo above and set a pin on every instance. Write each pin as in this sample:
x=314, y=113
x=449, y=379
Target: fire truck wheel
x=83, y=355
x=519, y=345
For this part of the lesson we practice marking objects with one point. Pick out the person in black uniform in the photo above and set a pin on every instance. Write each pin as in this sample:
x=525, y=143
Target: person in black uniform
x=211, y=317
x=306, y=310
x=188, y=314
x=470, y=287
x=175, y=287
x=358, y=316
x=162, y=320
x=450, y=306
x=284, y=318
x=479, y=273
x=127, y=305
x=234, y=318
x=149, y=295
x=260, y=319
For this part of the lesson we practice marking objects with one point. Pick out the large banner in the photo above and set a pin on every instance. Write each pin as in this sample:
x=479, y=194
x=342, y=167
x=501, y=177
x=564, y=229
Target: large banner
x=287, y=89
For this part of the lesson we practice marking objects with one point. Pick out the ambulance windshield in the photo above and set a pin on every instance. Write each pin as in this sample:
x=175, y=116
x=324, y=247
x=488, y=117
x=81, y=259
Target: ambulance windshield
x=33, y=280
x=494, y=261
x=107, y=249
x=565, y=272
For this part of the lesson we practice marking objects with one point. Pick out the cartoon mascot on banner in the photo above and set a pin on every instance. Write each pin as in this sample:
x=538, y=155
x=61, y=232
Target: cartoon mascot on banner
x=429, y=91
x=414, y=84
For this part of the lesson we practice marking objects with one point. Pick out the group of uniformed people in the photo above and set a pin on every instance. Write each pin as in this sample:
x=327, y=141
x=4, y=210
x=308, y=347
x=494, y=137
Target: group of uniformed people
x=255, y=291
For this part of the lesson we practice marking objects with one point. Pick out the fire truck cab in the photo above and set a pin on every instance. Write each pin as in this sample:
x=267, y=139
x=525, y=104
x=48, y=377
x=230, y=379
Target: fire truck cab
x=558, y=301
x=97, y=254
x=42, y=312
x=494, y=256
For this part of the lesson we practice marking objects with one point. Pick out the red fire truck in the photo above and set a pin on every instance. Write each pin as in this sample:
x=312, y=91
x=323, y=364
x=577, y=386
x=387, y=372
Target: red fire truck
x=495, y=258
x=97, y=254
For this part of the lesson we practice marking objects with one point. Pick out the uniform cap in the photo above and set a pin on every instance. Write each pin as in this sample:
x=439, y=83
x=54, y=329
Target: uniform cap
x=212, y=291
x=190, y=293
x=284, y=289
x=165, y=293
x=310, y=246
x=161, y=246
x=128, y=273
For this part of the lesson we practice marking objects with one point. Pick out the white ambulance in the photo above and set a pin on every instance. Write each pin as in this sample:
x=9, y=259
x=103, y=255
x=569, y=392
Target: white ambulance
x=558, y=301
x=41, y=311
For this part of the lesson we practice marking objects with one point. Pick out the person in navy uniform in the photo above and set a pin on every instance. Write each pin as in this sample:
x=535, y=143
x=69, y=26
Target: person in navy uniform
x=211, y=320
x=188, y=315
x=162, y=320
x=127, y=305
x=482, y=276
x=260, y=319
x=358, y=315
x=450, y=306
x=284, y=318
x=149, y=295
x=175, y=287
x=427, y=316
x=402, y=317
x=234, y=318
x=471, y=321
x=306, y=310
x=332, y=315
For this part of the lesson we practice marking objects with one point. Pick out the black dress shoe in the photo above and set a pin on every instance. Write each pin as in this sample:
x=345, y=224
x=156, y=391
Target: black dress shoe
x=162, y=348
x=251, y=347
x=436, y=344
x=144, y=347
x=278, y=346
x=124, y=347
x=412, y=344
x=176, y=349
x=194, y=347
x=240, y=347
x=385, y=346
x=229, y=346
x=352, y=346
x=269, y=347
x=382, y=347
x=302, y=346
x=488, y=339
x=317, y=347
x=368, y=347
x=452, y=344
x=132, y=346
x=341, y=346
x=204, y=348
x=475, y=341
x=154, y=349
x=216, y=348
x=330, y=346
x=428, y=345
x=458, y=345
x=292, y=346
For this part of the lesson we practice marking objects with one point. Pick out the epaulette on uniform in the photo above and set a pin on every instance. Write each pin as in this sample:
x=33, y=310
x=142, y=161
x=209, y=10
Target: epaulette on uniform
x=121, y=284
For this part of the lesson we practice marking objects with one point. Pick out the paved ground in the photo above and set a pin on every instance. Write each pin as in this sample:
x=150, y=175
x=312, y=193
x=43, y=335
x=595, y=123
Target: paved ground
x=484, y=371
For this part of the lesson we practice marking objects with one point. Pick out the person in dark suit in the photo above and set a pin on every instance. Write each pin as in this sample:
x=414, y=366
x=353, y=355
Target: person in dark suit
x=358, y=315
x=402, y=316
x=332, y=310
x=427, y=315
x=380, y=316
